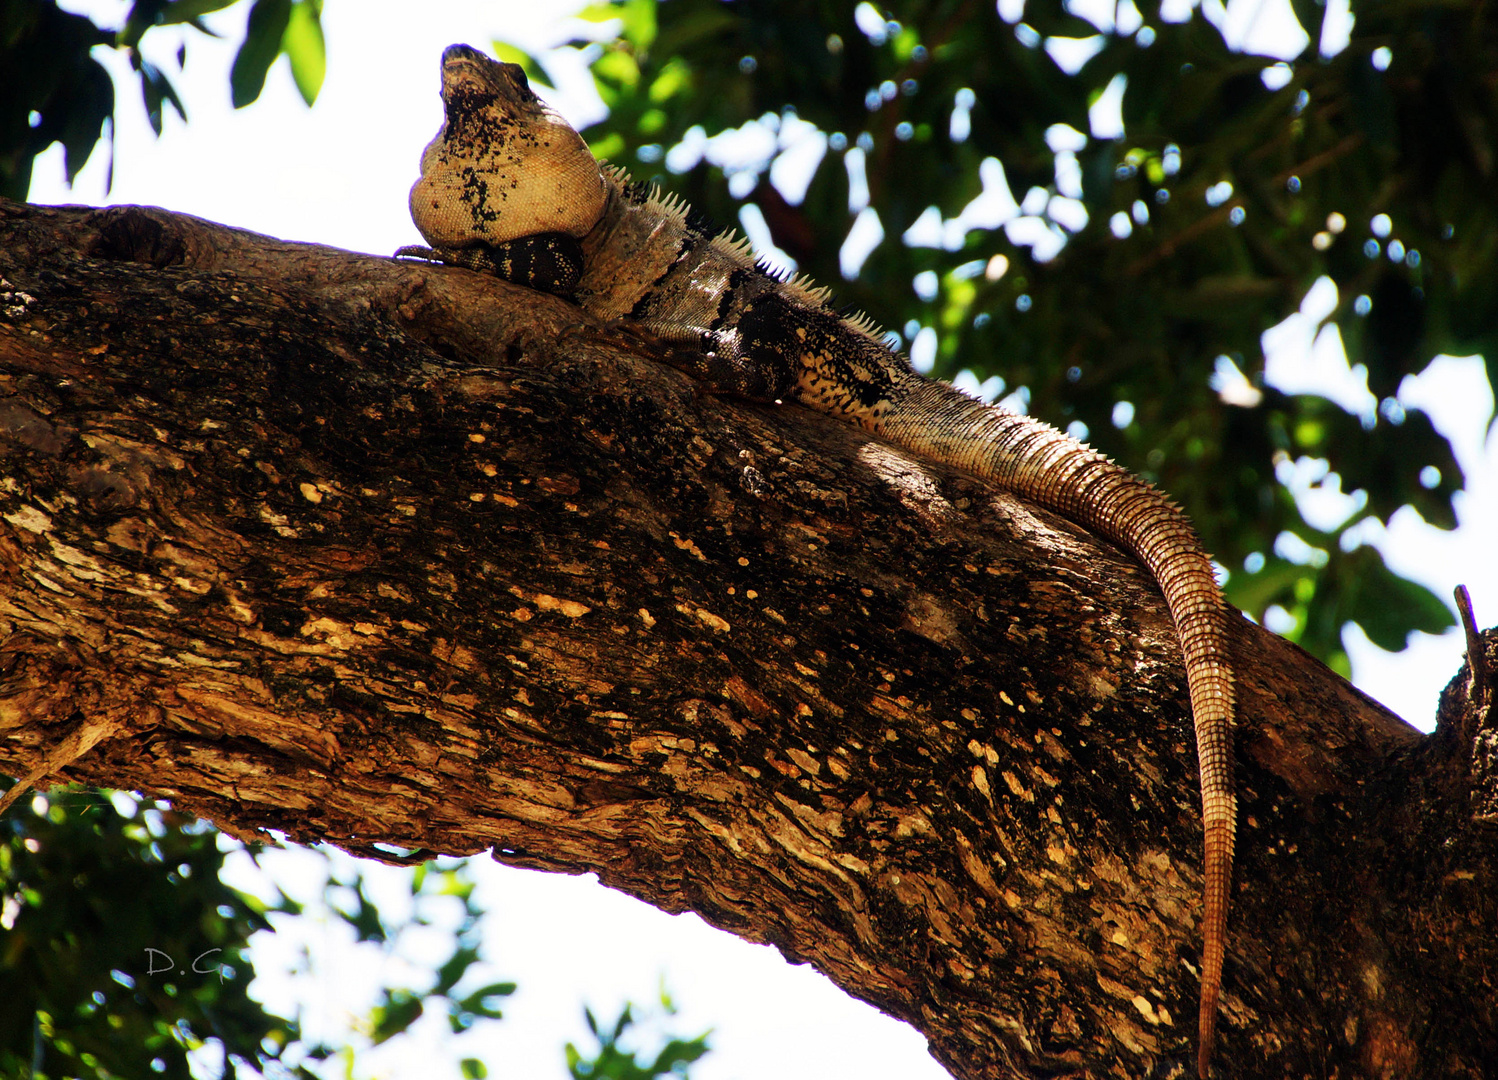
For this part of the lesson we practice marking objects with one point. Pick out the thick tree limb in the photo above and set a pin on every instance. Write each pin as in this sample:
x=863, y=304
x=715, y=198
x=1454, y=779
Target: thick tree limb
x=399, y=557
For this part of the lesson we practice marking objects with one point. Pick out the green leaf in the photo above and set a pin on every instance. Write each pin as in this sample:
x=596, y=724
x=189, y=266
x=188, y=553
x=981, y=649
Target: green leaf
x=608, y=147
x=483, y=1004
x=613, y=1062
x=262, y=44
x=624, y=1021
x=481, y=1001
x=157, y=89
x=597, y=13
x=1274, y=583
x=673, y=81
x=455, y=884
x=189, y=11
x=397, y=1012
x=457, y=965
x=1389, y=607
x=365, y=918
x=88, y=104
x=676, y=1053
x=639, y=23
x=286, y=904
x=143, y=15
x=618, y=68
x=304, y=47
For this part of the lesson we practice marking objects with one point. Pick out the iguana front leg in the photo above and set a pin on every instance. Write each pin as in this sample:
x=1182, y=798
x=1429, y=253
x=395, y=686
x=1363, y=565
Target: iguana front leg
x=550, y=262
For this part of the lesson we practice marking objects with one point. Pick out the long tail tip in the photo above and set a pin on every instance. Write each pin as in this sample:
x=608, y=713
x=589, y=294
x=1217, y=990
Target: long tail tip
x=1206, y=1036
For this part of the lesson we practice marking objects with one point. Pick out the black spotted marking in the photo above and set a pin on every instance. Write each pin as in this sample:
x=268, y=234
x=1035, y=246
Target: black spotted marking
x=550, y=262
x=475, y=195
x=466, y=107
x=736, y=281
x=779, y=333
x=643, y=306
x=641, y=311
x=726, y=366
x=847, y=372
x=473, y=120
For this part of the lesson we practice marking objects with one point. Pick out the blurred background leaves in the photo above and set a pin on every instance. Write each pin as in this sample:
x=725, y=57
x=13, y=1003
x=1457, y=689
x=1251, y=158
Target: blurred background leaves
x=123, y=953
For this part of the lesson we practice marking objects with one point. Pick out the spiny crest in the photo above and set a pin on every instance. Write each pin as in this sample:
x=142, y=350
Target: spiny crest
x=808, y=291
x=676, y=210
x=859, y=321
x=735, y=247
x=667, y=204
x=781, y=274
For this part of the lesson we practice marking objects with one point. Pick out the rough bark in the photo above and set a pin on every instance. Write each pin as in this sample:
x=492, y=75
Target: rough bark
x=400, y=557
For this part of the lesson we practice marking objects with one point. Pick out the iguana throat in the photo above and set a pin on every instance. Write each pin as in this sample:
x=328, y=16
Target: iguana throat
x=504, y=165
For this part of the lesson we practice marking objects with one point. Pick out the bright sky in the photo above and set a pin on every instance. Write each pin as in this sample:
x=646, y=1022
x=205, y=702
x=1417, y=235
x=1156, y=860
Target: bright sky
x=338, y=174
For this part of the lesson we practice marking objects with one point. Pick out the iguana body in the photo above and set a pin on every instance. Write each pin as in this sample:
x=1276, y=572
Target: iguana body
x=508, y=187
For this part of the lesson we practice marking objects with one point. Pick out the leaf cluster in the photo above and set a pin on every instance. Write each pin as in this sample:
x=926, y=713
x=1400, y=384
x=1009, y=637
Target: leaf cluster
x=123, y=955
x=52, y=89
x=614, y=1060
x=121, y=951
x=453, y=989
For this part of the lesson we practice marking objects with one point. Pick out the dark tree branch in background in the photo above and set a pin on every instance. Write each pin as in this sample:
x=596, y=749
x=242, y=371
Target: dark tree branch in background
x=399, y=557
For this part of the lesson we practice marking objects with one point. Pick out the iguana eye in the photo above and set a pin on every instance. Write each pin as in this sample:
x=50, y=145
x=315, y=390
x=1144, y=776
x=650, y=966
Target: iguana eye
x=514, y=74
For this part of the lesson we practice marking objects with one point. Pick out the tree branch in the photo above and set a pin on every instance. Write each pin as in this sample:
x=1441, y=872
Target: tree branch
x=401, y=557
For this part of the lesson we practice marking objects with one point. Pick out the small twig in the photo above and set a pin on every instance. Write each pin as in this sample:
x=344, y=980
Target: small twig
x=381, y=854
x=1477, y=665
x=1317, y=162
x=74, y=745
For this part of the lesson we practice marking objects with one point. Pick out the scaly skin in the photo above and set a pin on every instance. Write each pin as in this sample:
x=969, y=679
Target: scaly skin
x=509, y=188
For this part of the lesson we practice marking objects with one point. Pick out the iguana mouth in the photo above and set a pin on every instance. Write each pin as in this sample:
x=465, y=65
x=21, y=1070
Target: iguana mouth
x=469, y=74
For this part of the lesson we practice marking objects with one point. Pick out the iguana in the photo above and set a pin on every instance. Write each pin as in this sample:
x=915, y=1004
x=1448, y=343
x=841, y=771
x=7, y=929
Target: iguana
x=509, y=188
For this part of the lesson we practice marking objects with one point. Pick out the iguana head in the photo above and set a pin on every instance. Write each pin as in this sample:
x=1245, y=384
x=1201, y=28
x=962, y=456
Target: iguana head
x=503, y=165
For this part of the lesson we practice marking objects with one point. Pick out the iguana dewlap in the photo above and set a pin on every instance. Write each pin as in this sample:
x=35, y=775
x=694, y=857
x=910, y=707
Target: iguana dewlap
x=508, y=187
